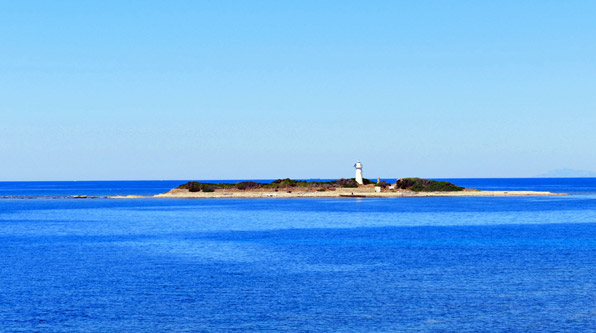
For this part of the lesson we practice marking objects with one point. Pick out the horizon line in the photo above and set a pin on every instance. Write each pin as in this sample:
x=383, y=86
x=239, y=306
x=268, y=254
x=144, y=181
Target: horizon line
x=255, y=179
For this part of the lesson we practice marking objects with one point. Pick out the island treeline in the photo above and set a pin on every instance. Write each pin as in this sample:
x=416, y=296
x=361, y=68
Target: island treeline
x=413, y=184
x=426, y=185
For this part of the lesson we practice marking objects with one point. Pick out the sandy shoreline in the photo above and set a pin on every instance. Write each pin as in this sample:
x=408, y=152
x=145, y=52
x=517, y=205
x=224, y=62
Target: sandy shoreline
x=338, y=193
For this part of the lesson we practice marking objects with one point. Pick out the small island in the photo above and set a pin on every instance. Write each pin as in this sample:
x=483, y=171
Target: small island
x=357, y=187
x=341, y=188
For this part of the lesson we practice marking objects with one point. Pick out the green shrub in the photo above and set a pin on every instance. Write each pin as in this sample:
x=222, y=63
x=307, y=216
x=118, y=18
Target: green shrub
x=248, y=185
x=426, y=185
x=349, y=183
x=282, y=183
x=382, y=184
x=194, y=186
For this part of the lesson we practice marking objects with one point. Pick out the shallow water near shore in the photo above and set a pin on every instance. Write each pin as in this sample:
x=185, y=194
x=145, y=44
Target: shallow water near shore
x=400, y=264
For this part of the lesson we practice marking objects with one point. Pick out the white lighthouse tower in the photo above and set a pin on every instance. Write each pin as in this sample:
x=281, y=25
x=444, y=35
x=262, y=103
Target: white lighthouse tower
x=358, y=167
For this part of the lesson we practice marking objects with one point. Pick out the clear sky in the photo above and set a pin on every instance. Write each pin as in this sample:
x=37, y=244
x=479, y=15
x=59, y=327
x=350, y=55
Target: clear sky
x=93, y=90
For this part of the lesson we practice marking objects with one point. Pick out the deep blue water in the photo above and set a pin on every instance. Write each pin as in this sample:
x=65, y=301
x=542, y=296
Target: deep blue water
x=398, y=264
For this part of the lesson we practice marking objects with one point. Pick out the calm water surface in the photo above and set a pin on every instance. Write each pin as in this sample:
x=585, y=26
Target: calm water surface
x=397, y=264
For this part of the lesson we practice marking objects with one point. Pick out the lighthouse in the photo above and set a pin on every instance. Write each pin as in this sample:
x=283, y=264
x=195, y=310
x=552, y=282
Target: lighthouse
x=358, y=167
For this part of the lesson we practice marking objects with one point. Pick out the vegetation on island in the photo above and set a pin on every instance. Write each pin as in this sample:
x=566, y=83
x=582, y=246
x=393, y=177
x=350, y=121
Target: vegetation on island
x=413, y=184
x=276, y=184
x=426, y=185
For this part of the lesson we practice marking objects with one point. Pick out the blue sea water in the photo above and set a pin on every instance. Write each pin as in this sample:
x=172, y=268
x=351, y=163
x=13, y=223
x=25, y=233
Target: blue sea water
x=395, y=264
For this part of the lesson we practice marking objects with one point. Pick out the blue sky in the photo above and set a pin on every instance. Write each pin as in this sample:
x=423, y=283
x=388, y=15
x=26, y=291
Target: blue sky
x=266, y=89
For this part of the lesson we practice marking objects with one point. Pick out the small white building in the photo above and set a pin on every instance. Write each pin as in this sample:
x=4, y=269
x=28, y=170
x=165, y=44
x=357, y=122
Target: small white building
x=358, y=167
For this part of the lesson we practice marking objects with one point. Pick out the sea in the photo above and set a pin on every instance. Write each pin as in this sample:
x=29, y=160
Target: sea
x=421, y=264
